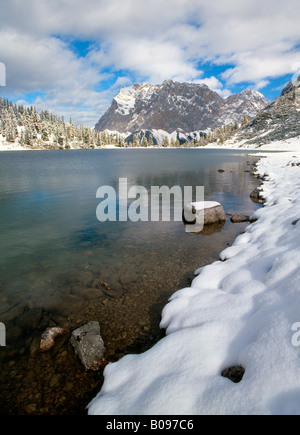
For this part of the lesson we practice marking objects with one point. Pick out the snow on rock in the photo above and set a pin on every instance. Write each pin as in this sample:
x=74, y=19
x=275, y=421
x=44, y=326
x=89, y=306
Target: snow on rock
x=202, y=205
x=240, y=311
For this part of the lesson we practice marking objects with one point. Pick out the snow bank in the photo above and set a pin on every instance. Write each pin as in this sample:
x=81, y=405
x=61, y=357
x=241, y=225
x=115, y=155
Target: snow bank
x=11, y=147
x=238, y=311
x=280, y=145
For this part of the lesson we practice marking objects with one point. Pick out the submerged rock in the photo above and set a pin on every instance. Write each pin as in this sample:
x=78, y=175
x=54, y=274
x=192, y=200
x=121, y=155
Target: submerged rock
x=209, y=230
x=49, y=336
x=88, y=345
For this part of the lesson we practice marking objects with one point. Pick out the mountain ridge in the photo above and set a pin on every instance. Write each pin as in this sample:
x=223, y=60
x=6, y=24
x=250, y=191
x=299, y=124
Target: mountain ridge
x=172, y=105
x=279, y=120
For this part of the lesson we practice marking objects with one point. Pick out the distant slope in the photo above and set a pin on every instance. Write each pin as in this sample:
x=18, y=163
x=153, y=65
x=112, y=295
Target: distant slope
x=280, y=120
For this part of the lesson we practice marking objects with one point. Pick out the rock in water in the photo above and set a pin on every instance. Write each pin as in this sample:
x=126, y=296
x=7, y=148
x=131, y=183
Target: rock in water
x=48, y=338
x=88, y=345
x=203, y=213
x=239, y=217
x=256, y=196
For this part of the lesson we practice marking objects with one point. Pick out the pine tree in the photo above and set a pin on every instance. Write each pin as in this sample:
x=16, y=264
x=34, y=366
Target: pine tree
x=45, y=133
x=245, y=121
x=103, y=138
x=28, y=136
x=166, y=142
x=136, y=142
x=150, y=140
x=61, y=140
x=144, y=142
x=86, y=136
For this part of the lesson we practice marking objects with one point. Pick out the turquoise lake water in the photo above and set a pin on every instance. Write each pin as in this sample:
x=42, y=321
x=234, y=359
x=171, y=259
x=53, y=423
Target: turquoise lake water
x=54, y=252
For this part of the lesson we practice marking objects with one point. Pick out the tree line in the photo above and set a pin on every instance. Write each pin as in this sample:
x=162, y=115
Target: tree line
x=25, y=126
x=218, y=135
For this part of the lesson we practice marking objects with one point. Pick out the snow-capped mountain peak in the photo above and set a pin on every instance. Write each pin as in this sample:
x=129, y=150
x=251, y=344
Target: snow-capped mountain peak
x=127, y=96
x=173, y=105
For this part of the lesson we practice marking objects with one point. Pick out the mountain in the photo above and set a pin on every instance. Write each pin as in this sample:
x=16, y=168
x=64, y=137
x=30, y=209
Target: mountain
x=172, y=105
x=278, y=121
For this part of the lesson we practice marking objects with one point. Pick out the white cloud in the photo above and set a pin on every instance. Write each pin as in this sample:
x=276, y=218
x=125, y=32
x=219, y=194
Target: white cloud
x=215, y=85
x=145, y=40
x=156, y=59
x=121, y=82
x=34, y=63
x=257, y=67
x=48, y=66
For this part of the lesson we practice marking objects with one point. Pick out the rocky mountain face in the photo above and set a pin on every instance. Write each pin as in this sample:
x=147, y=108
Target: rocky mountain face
x=278, y=121
x=172, y=106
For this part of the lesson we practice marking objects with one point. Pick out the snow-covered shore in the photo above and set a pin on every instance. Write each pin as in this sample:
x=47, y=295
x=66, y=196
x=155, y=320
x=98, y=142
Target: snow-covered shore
x=243, y=310
x=5, y=146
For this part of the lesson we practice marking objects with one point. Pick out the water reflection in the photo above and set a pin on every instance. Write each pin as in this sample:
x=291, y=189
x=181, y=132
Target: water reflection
x=207, y=230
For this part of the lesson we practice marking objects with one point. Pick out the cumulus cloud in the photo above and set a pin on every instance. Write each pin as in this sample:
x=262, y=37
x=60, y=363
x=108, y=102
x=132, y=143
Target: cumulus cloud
x=157, y=60
x=46, y=65
x=215, y=85
x=140, y=40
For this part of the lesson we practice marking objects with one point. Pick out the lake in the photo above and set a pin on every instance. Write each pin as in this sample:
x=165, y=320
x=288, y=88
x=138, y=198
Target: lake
x=55, y=252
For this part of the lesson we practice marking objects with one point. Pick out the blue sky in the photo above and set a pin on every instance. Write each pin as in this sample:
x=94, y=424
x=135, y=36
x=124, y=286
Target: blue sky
x=72, y=57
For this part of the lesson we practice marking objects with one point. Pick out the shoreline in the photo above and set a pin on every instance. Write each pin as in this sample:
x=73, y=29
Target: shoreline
x=239, y=311
x=280, y=145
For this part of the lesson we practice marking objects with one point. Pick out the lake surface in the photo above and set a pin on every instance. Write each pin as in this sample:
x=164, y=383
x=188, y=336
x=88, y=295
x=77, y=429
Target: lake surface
x=54, y=253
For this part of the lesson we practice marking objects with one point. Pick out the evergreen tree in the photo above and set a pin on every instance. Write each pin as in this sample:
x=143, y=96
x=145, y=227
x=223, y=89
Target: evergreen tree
x=245, y=121
x=45, y=133
x=144, y=142
x=150, y=140
x=166, y=142
x=136, y=142
x=28, y=136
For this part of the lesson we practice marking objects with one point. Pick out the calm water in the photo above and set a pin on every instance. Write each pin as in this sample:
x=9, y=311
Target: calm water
x=54, y=253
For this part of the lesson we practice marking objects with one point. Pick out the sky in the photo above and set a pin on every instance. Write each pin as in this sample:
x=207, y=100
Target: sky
x=71, y=57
